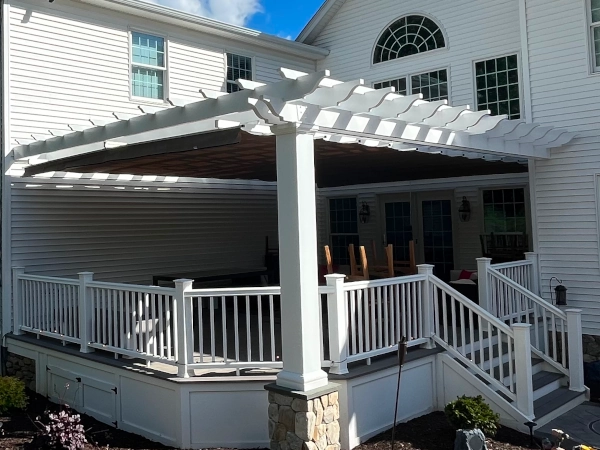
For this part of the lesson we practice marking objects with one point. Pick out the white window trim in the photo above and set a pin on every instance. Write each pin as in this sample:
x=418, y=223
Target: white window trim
x=421, y=72
x=519, y=69
x=406, y=58
x=593, y=65
x=164, y=69
x=238, y=53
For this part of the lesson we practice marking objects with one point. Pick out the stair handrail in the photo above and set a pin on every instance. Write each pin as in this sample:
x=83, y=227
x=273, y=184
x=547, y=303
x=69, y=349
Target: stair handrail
x=556, y=316
x=507, y=391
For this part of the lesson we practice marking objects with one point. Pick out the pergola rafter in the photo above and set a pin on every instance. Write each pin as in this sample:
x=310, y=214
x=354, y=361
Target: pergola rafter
x=329, y=109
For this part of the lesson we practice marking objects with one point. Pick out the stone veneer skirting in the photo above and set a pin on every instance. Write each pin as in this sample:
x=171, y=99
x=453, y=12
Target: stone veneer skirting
x=591, y=348
x=304, y=422
x=21, y=368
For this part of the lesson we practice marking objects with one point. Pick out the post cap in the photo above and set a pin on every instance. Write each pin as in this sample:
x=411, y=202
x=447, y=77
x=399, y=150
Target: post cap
x=520, y=326
x=483, y=259
x=573, y=311
x=183, y=280
x=335, y=276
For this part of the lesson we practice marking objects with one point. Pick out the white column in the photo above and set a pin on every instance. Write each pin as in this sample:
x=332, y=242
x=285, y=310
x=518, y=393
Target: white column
x=298, y=262
x=337, y=310
x=575, y=349
x=523, y=370
x=85, y=312
x=483, y=265
x=183, y=322
x=535, y=272
x=17, y=300
x=428, y=316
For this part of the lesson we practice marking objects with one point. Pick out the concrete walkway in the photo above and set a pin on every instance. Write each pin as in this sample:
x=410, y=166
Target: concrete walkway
x=582, y=424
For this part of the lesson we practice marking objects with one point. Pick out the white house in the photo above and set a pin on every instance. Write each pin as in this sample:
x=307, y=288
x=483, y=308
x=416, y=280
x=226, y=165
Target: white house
x=143, y=145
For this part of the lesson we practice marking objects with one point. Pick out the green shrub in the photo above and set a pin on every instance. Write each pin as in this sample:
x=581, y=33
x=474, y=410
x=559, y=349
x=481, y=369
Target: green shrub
x=12, y=394
x=468, y=413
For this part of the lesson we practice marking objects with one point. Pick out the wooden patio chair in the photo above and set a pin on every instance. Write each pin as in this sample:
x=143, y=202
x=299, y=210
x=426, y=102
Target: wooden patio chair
x=407, y=267
x=385, y=269
x=329, y=260
x=358, y=273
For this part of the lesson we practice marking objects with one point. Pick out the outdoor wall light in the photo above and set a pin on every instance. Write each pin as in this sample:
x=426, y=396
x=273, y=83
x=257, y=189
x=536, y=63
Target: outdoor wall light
x=365, y=213
x=560, y=292
x=464, y=211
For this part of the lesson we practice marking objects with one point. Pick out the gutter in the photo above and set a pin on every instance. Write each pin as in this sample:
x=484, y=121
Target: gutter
x=161, y=13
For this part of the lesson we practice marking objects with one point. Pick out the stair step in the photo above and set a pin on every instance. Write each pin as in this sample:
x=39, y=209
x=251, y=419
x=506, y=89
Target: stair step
x=544, y=378
x=495, y=353
x=552, y=401
x=506, y=367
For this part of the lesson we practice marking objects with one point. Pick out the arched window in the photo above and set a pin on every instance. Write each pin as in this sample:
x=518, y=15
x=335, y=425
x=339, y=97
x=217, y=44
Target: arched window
x=407, y=36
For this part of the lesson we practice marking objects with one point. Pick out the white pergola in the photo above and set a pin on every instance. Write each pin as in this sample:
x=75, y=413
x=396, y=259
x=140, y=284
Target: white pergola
x=297, y=110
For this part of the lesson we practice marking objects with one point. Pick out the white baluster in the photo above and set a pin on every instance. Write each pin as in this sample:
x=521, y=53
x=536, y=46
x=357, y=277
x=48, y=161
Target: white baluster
x=17, y=300
x=85, y=312
x=575, y=343
x=523, y=370
x=338, y=324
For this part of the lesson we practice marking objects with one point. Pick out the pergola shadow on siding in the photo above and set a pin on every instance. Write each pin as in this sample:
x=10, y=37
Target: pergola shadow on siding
x=235, y=154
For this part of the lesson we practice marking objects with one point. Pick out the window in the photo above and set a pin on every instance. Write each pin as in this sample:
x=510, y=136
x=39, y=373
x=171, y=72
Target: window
x=504, y=211
x=433, y=85
x=238, y=67
x=497, y=82
x=148, y=66
x=595, y=32
x=343, y=222
x=407, y=36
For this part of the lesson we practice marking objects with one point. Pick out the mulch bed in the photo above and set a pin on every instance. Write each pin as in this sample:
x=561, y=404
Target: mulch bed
x=433, y=432
x=430, y=432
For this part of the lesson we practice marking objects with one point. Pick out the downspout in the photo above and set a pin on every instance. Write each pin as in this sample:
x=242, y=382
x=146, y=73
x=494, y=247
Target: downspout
x=5, y=279
x=528, y=113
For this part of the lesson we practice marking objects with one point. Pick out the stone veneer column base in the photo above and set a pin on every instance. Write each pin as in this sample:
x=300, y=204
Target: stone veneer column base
x=22, y=368
x=304, y=420
x=591, y=348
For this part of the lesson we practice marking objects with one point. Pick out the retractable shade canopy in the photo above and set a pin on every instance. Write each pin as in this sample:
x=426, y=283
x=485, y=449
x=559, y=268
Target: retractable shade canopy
x=333, y=111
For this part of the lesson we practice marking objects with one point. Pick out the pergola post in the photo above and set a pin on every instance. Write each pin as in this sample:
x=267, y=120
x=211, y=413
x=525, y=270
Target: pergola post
x=303, y=407
x=298, y=262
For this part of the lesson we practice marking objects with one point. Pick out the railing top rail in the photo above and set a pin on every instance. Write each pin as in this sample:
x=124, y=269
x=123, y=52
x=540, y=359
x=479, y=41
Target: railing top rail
x=131, y=287
x=473, y=306
x=530, y=295
x=510, y=264
x=383, y=282
x=28, y=277
x=232, y=292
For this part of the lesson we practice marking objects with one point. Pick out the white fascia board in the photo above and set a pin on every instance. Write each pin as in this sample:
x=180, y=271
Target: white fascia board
x=317, y=19
x=213, y=27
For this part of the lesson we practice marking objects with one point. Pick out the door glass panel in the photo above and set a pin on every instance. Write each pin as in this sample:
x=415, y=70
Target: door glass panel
x=398, y=228
x=437, y=236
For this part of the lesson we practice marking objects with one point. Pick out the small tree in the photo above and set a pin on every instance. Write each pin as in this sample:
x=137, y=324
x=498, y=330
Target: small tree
x=468, y=413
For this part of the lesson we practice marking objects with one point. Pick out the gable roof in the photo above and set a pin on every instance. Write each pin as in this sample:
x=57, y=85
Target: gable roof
x=319, y=21
x=213, y=27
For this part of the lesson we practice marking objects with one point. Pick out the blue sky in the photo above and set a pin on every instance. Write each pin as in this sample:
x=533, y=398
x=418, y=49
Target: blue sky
x=282, y=18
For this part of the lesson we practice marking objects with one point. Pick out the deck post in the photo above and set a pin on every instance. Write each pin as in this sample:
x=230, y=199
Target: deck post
x=184, y=330
x=483, y=265
x=428, y=308
x=535, y=272
x=338, y=324
x=297, y=222
x=17, y=300
x=85, y=312
x=575, y=349
x=523, y=369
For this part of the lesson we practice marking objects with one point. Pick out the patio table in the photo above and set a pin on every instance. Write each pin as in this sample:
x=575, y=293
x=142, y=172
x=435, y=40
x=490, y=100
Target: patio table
x=253, y=274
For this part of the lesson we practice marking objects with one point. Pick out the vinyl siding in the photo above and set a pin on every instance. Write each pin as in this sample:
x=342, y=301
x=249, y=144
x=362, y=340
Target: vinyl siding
x=564, y=94
x=487, y=29
x=466, y=235
x=70, y=63
x=129, y=234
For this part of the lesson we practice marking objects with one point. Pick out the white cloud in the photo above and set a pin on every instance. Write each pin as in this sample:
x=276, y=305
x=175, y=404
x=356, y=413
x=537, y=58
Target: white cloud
x=236, y=12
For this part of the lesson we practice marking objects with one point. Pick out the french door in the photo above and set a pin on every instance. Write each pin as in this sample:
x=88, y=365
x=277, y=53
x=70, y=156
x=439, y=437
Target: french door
x=427, y=218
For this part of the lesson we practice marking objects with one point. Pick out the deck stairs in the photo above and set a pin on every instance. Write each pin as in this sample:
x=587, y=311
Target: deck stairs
x=483, y=362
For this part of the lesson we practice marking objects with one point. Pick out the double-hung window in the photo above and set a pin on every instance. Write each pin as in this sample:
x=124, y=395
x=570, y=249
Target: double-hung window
x=433, y=85
x=594, y=16
x=148, y=66
x=497, y=83
x=238, y=67
x=504, y=210
x=343, y=223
